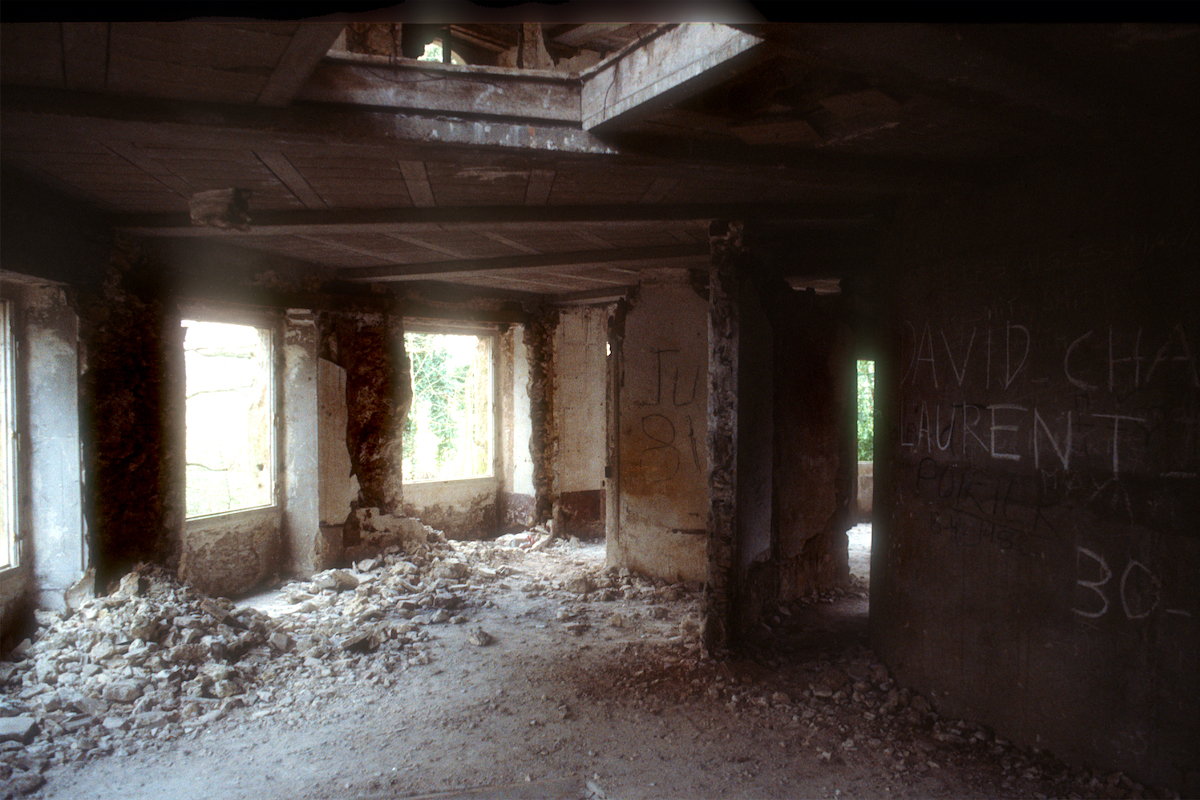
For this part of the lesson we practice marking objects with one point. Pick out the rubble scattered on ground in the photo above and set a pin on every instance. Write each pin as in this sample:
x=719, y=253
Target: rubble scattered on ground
x=155, y=661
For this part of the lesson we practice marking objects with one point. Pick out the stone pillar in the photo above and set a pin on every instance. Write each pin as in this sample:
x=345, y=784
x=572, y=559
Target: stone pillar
x=55, y=497
x=723, y=330
x=543, y=440
x=370, y=347
x=300, y=437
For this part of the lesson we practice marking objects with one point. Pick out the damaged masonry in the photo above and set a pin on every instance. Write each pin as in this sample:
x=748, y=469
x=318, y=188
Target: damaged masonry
x=598, y=410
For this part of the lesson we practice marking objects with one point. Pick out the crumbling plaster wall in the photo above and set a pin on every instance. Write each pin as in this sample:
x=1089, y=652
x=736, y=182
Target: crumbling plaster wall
x=461, y=509
x=1035, y=559
x=662, y=393
x=814, y=479
x=516, y=492
x=133, y=397
x=52, y=554
x=581, y=386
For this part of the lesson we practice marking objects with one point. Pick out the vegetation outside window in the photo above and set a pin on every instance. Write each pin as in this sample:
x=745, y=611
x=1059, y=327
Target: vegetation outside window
x=449, y=430
x=866, y=410
x=8, y=445
x=230, y=416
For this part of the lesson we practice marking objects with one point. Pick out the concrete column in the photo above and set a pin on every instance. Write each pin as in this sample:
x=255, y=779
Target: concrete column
x=57, y=546
x=723, y=333
x=300, y=440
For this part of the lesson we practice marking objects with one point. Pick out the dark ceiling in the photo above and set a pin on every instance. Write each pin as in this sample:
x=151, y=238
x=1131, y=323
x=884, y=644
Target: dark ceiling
x=375, y=168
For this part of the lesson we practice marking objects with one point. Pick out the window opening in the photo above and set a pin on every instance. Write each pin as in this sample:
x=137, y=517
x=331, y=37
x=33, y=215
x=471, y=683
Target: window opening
x=230, y=417
x=449, y=431
x=8, y=447
x=859, y=536
x=434, y=52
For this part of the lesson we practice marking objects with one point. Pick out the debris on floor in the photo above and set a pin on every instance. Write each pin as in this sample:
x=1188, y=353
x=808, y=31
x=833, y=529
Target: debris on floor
x=155, y=662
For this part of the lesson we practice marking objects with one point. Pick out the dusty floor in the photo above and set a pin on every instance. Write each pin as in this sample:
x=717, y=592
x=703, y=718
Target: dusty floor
x=582, y=696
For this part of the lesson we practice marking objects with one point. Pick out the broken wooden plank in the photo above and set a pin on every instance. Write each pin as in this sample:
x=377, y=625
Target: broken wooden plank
x=676, y=64
x=304, y=52
x=444, y=88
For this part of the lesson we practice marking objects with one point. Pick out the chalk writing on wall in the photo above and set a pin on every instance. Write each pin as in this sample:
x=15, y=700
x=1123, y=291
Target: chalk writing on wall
x=1088, y=414
x=974, y=507
x=671, y=443
x=1136, y=594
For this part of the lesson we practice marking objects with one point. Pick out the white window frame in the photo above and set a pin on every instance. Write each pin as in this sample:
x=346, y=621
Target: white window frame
x=9, y=457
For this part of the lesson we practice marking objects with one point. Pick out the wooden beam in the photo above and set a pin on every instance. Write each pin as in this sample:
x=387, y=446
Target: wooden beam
x=290, y=177
x=513, y=218
x=417, y=181
x=482, y=266
x=445, y=88
x=671, y=67
x=172, y=122
x=304, y=52
x=537, y=191
x=38, y=112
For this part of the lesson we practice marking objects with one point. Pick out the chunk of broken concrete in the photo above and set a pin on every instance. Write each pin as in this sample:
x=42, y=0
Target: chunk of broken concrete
x=122, y=692
x=17, y=729
x=480, y=638
x=339, y=580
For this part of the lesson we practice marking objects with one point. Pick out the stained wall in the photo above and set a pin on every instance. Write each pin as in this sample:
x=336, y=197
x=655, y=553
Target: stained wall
x=1039, y=488
x=662, y=422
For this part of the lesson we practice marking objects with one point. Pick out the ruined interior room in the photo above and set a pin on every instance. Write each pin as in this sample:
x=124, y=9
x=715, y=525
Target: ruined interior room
x=418, y=407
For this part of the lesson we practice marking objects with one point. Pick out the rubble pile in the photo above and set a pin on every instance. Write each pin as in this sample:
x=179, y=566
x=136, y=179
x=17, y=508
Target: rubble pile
x=155, y=660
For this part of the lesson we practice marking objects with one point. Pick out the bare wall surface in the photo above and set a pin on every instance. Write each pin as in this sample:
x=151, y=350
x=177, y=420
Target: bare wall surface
x=663, y=397
x=307, y=552
x=812, y=479
x=232, y=554
x=1045, y=503
x=56, y=544
x=581, y=384
x=461, y=509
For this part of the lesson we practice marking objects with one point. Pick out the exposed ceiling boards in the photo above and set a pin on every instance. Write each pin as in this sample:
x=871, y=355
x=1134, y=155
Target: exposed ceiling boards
x=545, y=181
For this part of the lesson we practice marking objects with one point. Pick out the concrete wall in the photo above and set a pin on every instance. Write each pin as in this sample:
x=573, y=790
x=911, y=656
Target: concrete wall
x=52, y=552
x=307, y=550
x=864, y=493
x=1037, y=565
x=515, y=499
x=581, y=385
x=462, y=509
x=55, y=515
x=232, y=554
x=338, y=487
x=662, y=424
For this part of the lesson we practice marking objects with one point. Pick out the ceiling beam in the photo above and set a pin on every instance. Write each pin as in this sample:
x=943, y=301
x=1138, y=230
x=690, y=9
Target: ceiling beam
x=304, y=52
x=355, y=131
x=481, y=266
x=673, y=66
x=525, y=218
x=446, y=88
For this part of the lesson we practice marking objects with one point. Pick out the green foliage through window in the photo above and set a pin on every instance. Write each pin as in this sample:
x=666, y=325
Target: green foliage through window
x=448, y=433
x=866, y=410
